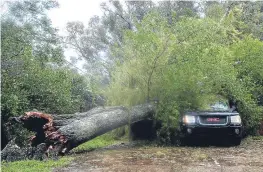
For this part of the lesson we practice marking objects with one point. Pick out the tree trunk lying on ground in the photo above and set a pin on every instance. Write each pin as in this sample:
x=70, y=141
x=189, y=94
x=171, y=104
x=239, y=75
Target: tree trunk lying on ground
x=61, y=133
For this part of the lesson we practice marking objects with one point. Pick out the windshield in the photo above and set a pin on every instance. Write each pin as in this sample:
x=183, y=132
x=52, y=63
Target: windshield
x=215, y=106
x=219, y=106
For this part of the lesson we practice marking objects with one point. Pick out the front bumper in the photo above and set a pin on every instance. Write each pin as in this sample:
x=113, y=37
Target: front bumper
x=195, y=130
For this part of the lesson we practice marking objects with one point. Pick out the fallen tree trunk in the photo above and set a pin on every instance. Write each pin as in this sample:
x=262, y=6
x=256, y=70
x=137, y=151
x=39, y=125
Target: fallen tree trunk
x=97, y=124
x=65, y=119
x=61, y=133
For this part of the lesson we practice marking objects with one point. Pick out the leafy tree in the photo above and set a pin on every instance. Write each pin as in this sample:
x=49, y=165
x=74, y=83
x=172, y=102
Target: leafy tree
x=33, y=73
x=93, y=42
x=145, y=54
x=31, y=26
x=248, y=15
x=198, y=63
x=248, y=57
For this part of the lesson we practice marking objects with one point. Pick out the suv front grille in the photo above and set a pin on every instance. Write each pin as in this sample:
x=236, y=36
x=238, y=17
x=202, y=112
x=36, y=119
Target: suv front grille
x=213, y=120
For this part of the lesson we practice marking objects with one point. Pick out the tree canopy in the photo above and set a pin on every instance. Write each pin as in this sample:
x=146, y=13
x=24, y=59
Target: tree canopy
x=190, y=61
x=34, y=72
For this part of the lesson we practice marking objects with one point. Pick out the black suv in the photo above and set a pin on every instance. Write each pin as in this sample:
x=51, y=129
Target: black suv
x=217, y=120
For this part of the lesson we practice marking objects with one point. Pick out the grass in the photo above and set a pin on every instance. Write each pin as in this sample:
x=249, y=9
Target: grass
x=34, y=165
x=98, y=142
x=199, y=155
x=257, y=137
x=46, y=166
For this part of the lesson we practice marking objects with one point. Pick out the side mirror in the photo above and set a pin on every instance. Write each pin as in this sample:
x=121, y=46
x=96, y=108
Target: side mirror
x=233, y=109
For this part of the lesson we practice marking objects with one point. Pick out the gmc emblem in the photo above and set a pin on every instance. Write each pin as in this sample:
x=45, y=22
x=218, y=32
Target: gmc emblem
x=213, y=119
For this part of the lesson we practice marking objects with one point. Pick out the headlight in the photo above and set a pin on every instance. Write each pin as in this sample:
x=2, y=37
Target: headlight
x=188, y=119
x=235, y=119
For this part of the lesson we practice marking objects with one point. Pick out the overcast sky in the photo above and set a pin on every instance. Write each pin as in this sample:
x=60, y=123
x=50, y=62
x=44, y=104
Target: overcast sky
x=70, y=10
x=74, y=10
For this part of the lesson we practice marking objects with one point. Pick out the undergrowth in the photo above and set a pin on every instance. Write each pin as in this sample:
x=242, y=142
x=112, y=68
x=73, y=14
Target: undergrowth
x=34, y=165
x=104, y=140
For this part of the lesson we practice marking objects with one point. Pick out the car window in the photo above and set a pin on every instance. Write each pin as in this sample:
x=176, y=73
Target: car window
x=215, y=106
x=221, y=106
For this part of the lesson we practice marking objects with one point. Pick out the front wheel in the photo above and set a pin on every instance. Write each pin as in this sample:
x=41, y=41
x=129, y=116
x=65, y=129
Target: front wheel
x=186, y=141
x=236, y=141
x=183, y=142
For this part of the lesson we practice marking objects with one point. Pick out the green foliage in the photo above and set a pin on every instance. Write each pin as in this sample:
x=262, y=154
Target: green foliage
x=33, y=72
x=28, y=86
x=145, y=54
x=168, y=114
x=257, y=138
x=188, y=65
x=34, y=165
x=164, y=51
x=248, y=54
x=26, y=24
x=215, y=11
x=98, y=142
x=247, y=15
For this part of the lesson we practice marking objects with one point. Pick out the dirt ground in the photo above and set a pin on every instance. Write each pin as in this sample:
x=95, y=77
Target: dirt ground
x=248, y=157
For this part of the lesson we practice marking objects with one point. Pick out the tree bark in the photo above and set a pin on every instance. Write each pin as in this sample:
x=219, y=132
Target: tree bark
x=64, y=132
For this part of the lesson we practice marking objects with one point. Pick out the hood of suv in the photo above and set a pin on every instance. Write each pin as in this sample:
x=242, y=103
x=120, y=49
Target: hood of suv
x=212, y=113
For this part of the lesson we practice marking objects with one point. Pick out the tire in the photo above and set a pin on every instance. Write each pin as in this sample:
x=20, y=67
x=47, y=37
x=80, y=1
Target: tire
x=236, y=141
x=184, y=141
